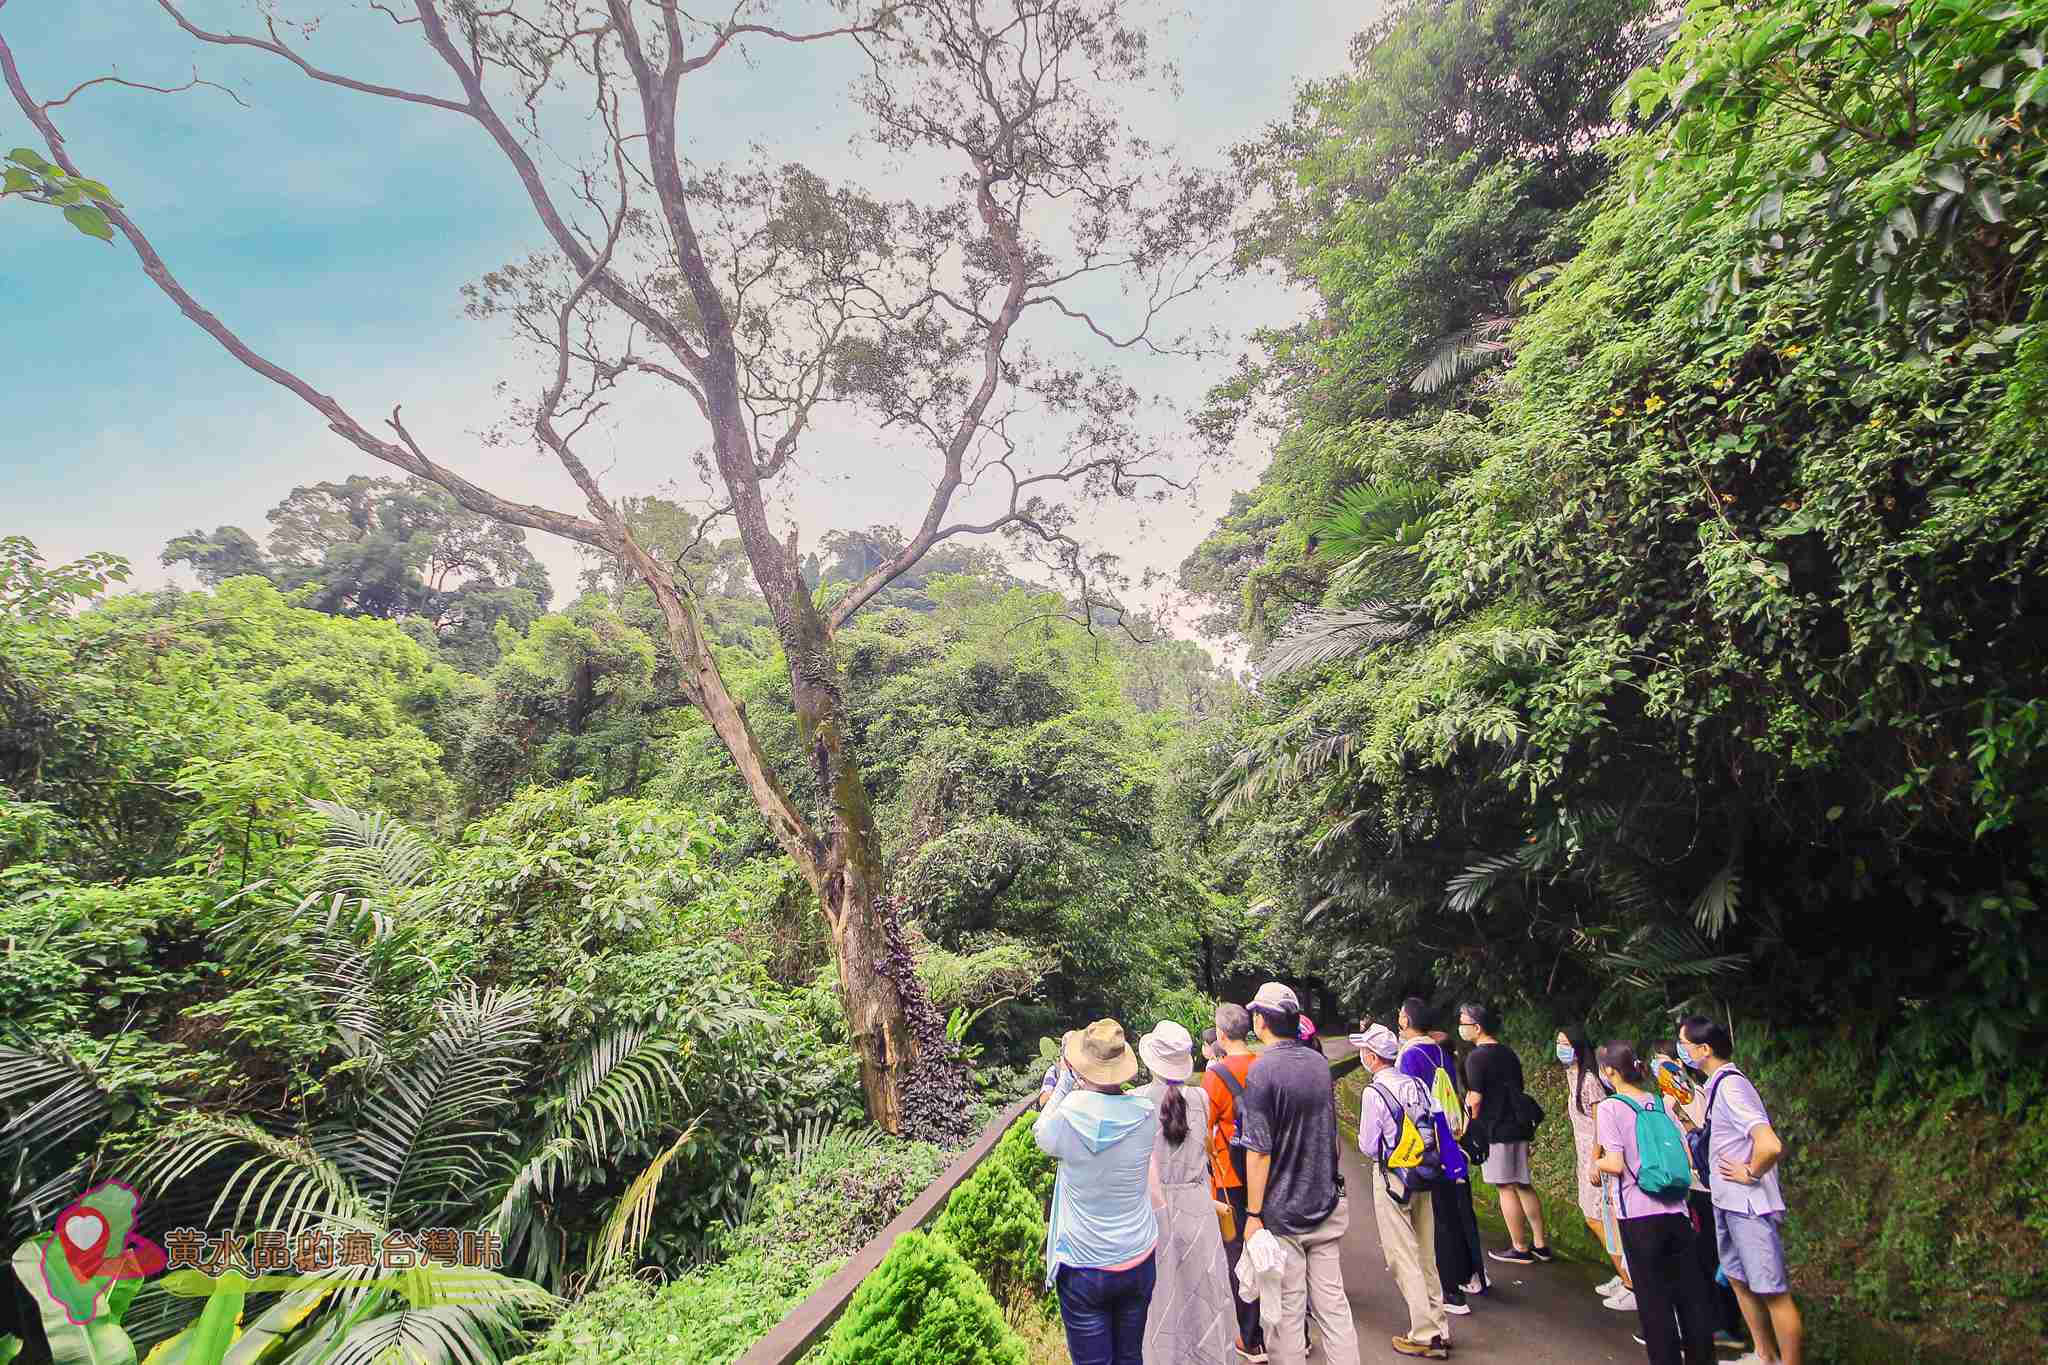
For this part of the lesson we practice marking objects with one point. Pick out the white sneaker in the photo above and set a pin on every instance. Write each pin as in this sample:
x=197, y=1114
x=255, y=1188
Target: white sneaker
x=1458, y=1310
x=1624, y=1302
x=1610, y=1289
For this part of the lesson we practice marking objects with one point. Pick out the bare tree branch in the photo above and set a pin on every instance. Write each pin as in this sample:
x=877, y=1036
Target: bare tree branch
x=274, y=44
x=194, y=83
x=407, y=455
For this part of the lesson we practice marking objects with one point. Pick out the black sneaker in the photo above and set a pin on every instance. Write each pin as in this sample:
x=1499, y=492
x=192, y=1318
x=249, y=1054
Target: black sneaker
x=1515, y=1256
x=1542, y=1254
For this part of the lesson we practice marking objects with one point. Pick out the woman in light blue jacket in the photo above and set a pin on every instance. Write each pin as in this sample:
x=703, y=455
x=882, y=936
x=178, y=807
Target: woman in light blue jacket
x=1101, y=1235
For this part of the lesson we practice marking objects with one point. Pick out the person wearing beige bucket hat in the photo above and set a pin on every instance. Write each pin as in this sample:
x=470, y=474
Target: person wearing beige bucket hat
x=1191, y=1320
x=1103, y=1227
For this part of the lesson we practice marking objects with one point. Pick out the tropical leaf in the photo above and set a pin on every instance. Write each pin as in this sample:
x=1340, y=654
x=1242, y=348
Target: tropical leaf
x=630, y=1220
x=1714, y=908
x=1461, y=354
x=48, y=1099
x=278, y=1182
x=1322, y=637
x=423, y=1137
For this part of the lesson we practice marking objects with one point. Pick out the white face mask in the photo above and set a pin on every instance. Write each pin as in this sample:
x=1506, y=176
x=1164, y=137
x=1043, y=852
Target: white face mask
x=1468, y=1031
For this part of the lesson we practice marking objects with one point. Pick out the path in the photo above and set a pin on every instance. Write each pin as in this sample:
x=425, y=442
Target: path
x=1534, y=1315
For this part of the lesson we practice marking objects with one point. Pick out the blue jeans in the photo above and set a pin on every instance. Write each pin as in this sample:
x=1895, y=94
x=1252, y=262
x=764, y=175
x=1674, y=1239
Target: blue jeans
x=1104, y=1311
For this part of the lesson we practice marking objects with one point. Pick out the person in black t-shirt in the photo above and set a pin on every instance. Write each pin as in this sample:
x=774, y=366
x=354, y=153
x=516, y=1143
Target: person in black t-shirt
x=1495, y=1094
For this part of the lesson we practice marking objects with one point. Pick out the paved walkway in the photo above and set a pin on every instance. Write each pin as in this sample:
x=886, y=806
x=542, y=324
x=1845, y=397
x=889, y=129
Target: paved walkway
x=1534, y=1315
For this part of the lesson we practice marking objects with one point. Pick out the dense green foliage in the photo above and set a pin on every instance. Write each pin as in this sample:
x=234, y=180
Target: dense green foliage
x=998, y=1228
x=1645, y=589
x=923, y=1305
x=1672, y=651
x=299, y=912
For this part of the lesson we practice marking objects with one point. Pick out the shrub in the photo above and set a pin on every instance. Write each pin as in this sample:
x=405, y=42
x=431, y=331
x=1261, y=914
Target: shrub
x=922, y=1306
x=709, y=1317
x=836, y=1199
x=1018, y=1153
x=997, y=1228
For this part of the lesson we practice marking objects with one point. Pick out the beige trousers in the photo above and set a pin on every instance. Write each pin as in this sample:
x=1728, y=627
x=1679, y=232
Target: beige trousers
x=1408, y=1239
x=1312, y=1290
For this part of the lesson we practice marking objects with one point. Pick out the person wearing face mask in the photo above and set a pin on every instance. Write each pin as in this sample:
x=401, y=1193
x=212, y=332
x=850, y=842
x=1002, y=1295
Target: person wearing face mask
x=1503, y=1115
x=1685, y=1098
x=1460, y=1257
x=1672, y=1301
x=1742, y=1151
x=1585, y=1090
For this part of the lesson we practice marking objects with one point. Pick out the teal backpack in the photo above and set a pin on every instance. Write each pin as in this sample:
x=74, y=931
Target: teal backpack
x=1666, y=1170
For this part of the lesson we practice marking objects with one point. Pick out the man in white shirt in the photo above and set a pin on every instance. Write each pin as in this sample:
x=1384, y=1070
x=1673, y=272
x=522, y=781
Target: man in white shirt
x=1743, y=1152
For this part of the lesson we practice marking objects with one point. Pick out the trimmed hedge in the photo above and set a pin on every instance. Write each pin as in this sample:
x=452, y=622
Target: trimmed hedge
x=1019, y=1154
x=998, y=1228
x=923, y=1305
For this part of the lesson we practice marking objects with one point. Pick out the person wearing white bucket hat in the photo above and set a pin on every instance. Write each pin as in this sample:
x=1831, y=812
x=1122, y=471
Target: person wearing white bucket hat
x=1103, y=1228
x=1191, y=1320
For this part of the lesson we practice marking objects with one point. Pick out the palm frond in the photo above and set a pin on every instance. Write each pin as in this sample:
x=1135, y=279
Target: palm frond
x=280, y=1182
x=48, y=1099
x=1660, y=952
x=627, y=1226
x=1473, y=887
x=1461, y=354
x=1714, y=908
x=373, y=869
x=1322, y=637
x=424, y=1136
x=1374, y=530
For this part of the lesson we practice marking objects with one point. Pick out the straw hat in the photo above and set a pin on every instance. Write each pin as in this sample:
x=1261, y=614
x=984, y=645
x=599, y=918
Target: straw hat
x=1168, y=1051
x=1099, y=1054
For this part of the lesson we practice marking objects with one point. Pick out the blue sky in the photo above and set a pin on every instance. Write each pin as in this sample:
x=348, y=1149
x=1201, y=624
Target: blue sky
x=334, y=232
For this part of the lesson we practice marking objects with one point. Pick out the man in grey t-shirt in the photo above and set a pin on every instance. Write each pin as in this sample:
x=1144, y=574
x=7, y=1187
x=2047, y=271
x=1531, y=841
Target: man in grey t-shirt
x=1288, y=1125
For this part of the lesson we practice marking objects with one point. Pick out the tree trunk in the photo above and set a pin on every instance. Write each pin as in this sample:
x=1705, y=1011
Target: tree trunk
x=843, y=863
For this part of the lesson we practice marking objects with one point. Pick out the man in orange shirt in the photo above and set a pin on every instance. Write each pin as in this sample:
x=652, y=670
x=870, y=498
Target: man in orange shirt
x=1223, y=1082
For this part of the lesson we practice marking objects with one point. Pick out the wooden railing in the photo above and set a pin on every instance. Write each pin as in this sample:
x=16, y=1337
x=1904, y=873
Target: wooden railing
x=806, y=1324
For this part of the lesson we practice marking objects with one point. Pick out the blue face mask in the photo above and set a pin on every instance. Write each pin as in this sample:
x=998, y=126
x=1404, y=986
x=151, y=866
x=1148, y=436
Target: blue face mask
x=1566, y=1054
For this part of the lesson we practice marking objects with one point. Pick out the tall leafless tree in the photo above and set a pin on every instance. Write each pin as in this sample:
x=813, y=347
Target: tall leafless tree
x=752, y=296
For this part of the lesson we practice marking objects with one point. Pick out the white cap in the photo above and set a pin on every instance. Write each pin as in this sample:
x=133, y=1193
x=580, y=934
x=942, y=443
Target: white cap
x=1379, y=1040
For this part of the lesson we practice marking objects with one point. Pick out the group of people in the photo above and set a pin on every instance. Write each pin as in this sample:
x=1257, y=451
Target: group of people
x=1197, y=1220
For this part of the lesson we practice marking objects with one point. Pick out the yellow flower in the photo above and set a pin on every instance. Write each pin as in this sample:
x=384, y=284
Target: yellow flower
x=1652, y=403
x=1618, y=410
x=1791, y=351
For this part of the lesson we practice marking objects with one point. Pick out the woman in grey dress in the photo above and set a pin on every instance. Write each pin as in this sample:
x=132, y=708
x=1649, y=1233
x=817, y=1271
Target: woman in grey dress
x=1190, y=1322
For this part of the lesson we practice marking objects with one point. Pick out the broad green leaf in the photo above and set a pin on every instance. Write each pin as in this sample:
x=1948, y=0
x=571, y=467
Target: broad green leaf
x=24, y=156
x=10, y=1347
x=99, y=1342
x=1990, y=207
x=215, y=1330
x=90, y=221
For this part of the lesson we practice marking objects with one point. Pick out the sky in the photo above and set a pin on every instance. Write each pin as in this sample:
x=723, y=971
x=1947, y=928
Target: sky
x=335, y=232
